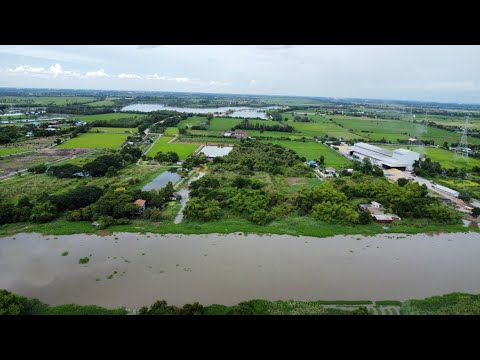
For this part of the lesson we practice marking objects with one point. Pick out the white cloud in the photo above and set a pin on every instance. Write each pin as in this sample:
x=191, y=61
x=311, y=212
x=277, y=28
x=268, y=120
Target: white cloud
x=54, y=70
x=27, y=69
x=179, y=79
x=98, y=73
x=452, y=85
x=253, y=83
x=129, y=76
x=156, y=77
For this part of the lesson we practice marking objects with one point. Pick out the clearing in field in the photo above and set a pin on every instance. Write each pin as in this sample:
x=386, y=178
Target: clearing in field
x=106, y=117
x=112, y=130
x=95, y=141
x=10, y=151
x=183, y=150
x=171, y=131
x=313, y=150
x=45, y=100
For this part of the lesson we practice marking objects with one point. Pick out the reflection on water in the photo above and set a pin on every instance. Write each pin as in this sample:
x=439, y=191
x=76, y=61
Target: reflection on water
x=231, y=268
x=162, y=180
x=246, y=112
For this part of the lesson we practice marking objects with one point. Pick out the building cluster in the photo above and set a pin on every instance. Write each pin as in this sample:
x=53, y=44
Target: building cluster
x=236, y=134
x=401, y=159
x=377, y=211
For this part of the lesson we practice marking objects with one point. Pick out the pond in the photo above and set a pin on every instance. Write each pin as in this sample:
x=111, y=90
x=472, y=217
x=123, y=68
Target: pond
x=128, y=269
x=162, y=180
x=244, y=112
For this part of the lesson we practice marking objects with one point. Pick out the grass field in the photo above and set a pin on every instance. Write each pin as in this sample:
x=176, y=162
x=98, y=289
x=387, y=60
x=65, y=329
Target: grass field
x=7, y=151
x=171, y=131
x=101, y=103
x=313, y=150
x=194, y=120
x=33, y=185
x=183, y=150
x=443, y=156
x=45, y=100
x=392, y=130
x=112, y=130
x=95, y=141
x=109, y=116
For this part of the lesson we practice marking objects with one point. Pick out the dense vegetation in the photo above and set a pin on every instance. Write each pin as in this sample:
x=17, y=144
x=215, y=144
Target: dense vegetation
x=450, y=304
x=12, y=304
x=243, y=195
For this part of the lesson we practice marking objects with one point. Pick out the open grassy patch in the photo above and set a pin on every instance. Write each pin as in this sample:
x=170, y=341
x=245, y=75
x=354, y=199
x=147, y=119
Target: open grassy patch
x=183, y=150
x=313, y=150
x=113, y=130
x=109, y=116
x=9, y=151
x=95, y=141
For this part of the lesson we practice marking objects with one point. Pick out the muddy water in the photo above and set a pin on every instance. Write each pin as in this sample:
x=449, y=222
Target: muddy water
x=228, y=269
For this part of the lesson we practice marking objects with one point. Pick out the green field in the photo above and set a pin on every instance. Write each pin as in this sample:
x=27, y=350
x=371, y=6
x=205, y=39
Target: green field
x=443, y=156
x=392, y=130
x=223, y=124
x=45, y=100
x=194, y=120
x=95, y=141
x=313, y=150
x=109, y=116
x=101, y=103
x=8, y=151
x=113, y=130
x=183, y=150
x=171, y=131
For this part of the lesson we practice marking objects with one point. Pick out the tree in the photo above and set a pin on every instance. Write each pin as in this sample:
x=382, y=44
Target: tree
x=111, y=172
x=321, y=161
x=475, y=211
x=402, y=181
x=43, y=212
x=364, y=218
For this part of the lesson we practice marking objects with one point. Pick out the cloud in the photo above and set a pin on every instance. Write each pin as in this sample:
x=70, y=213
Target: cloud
x=179, y=79
x=54, y=70
x=253, y=83
x=141, y=47
x=452, y=85
x=129, y=76
x=156, y=77
x=98, y=73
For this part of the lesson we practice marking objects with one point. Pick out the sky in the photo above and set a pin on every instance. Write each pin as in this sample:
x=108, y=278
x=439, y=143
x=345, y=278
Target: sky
x=420, y=72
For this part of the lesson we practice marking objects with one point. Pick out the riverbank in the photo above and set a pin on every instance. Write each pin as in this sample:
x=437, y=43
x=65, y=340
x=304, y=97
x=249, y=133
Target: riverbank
x=293, y=225
x=134, y=270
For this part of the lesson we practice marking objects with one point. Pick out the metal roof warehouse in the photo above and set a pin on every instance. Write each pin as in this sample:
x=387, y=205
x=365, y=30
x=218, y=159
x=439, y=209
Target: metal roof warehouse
x=399, y=158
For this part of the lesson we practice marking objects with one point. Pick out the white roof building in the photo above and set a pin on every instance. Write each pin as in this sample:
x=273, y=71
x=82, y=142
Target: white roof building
x=400, y=158
x=216, y=151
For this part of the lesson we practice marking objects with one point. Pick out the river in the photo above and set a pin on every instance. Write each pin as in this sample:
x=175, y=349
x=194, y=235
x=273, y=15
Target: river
x=230, y=268
x=243, y=112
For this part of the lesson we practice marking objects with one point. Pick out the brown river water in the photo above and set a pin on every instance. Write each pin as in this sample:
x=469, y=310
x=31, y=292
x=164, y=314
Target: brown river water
x=227, y=269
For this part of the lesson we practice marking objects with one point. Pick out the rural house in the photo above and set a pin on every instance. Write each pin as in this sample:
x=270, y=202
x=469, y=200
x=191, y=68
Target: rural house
x=141, y=205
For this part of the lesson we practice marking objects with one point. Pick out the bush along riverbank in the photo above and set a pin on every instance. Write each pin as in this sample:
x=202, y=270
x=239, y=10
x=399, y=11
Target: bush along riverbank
x=450, y=304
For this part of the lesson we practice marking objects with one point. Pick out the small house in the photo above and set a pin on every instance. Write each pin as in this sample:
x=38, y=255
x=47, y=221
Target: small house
x=376, y=205
x=95, y=223
x=382, y=218
x=312, y=162
x=175, y=196
x=330, y=170
x=140, y=203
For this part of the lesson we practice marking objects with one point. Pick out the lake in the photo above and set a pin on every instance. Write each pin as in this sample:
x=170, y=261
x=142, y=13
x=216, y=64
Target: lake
x=162, y=180
x=231, y=268
x=243, y=112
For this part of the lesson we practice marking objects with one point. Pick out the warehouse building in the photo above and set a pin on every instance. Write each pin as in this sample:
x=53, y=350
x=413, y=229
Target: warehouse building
x=401, y=159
